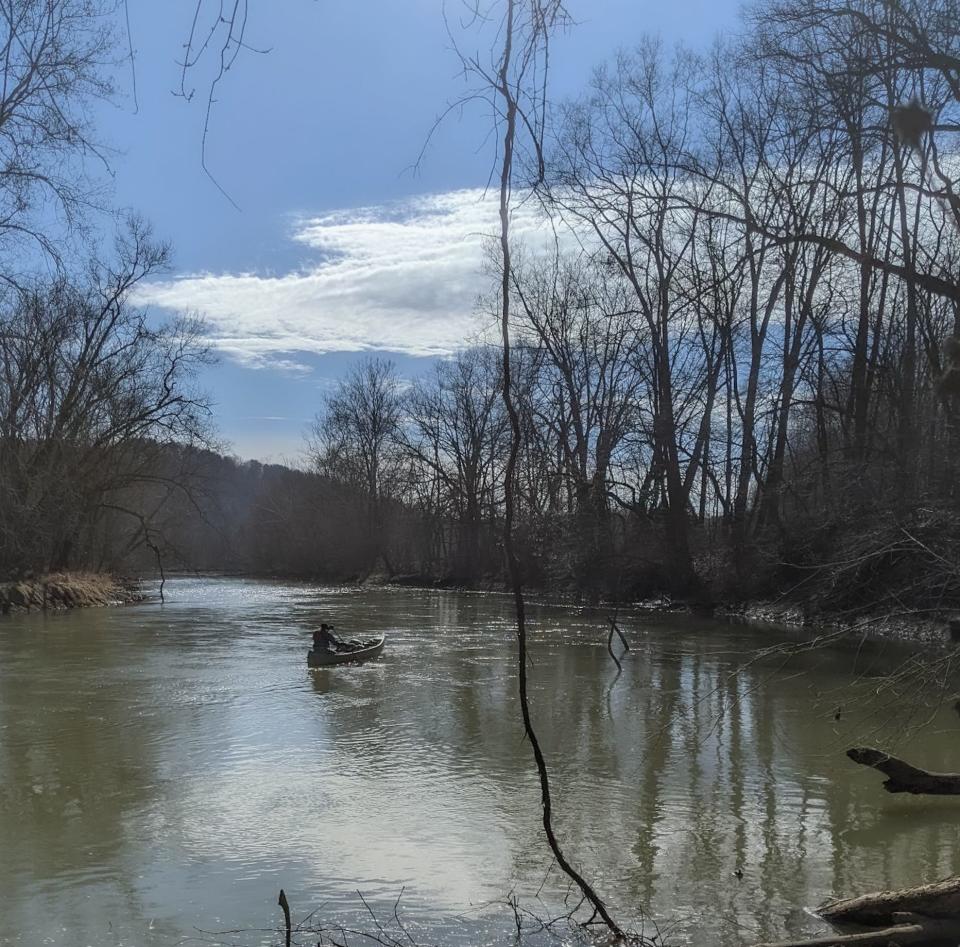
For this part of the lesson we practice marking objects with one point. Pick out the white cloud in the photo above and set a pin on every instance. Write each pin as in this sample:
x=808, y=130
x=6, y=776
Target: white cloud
x=401, y=277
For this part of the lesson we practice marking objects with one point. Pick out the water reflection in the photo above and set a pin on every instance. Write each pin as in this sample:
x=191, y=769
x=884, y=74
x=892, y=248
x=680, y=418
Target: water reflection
x=163, y=769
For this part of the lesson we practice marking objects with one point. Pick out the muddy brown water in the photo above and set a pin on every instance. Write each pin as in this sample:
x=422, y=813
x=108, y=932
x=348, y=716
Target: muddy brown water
x=165, y=770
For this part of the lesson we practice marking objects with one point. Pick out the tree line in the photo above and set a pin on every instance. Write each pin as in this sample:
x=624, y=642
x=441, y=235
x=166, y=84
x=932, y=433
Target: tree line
x=94, y=391
x=93, y=396
x=737, y=375
x=739, y=371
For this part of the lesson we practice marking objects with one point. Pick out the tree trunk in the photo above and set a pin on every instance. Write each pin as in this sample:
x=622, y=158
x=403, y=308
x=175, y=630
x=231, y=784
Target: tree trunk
x=927, y=914
x=902, y=777
x=859, y=392
x=907, y=433
x=938, y=900
x=923, y=931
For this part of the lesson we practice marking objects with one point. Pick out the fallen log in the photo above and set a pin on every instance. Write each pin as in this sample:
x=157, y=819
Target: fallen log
x=925, y=914
x=927, y=931
x=941, y=899
x=903, y=777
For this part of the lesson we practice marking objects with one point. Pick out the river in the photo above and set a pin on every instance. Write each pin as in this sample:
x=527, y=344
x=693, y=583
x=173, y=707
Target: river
x=166, y=769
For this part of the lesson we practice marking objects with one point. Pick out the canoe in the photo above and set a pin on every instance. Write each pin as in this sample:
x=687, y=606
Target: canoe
x=371, y=648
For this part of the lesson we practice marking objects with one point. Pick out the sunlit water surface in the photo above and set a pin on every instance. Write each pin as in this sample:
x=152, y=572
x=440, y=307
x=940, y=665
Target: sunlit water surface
x=165, y=770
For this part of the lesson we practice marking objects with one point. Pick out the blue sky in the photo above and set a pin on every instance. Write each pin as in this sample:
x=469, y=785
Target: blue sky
x=338, y=247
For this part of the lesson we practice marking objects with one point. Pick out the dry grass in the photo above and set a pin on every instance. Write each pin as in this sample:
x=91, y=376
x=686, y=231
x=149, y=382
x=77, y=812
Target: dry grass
x=64, y=590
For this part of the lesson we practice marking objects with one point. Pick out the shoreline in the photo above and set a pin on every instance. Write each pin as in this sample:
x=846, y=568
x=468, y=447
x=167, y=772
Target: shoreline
x=933, y=628
x=60, y=591
x=67, y=590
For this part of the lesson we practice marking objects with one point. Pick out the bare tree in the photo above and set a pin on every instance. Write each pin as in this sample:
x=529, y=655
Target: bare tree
x=454, y=432
x=90, y=391
x=614, y=174
x=586, y=388
x=55, y=55
x=354, y=440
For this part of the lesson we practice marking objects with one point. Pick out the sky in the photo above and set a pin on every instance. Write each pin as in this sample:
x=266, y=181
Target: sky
x=334, y=242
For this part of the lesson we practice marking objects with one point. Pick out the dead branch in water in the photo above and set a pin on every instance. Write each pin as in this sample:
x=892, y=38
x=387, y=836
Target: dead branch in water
x=926, y=914
x=282, y=901
x=390, y=930
x=924, y=931
x=941, y=899
x=616, y=660
x=904, y=777
x=615, y=629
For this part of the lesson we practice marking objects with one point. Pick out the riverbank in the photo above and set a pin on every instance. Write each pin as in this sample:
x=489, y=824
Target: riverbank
x=931, y=628
x=64, y=590
x=934, y=627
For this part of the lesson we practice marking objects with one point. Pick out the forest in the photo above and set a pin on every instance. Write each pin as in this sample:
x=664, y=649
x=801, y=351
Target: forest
x=737, y=367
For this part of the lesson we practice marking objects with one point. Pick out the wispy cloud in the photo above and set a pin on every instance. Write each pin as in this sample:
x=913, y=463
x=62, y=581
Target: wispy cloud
x=401, y=277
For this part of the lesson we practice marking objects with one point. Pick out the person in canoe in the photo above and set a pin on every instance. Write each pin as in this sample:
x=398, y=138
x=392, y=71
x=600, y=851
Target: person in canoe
x=325, y=640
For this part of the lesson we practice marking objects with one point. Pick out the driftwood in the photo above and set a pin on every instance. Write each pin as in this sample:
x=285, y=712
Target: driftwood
x=940, y=899
x=925, y=931
x=927, y=914
x=903, y=777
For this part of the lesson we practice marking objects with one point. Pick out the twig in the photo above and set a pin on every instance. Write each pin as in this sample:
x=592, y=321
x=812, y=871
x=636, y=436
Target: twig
x=616, y=660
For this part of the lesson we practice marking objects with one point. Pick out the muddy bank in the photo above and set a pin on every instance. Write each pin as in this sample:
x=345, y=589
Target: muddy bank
x=66, y=590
